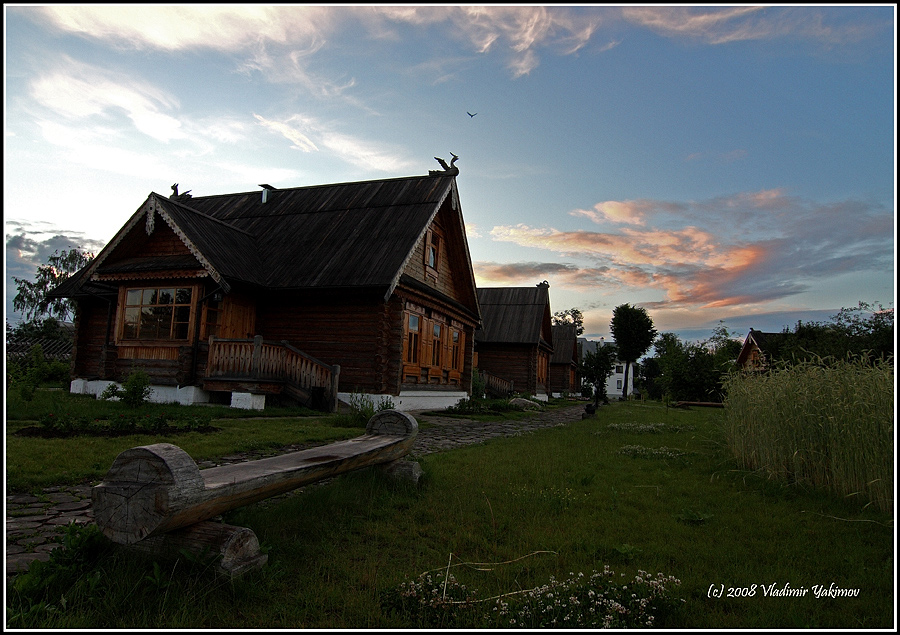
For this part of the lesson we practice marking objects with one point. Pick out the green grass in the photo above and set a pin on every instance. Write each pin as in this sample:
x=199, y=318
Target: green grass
x=33, y=463
x=558, y=501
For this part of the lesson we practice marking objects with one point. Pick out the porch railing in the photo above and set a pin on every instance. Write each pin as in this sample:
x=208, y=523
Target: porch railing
x=496, y=386
x=257, y=359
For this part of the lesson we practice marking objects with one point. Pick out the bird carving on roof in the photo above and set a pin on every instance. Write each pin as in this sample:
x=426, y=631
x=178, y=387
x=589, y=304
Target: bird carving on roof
x=176, y=196
x=448, y=169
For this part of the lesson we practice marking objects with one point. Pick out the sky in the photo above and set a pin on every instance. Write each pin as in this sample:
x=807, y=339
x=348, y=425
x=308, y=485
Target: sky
x=717, y=165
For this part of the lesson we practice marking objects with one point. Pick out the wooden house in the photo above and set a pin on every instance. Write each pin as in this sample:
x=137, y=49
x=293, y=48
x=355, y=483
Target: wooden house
x=285, y=292
x=515, y=341
x=564, y=361
x=757, y=348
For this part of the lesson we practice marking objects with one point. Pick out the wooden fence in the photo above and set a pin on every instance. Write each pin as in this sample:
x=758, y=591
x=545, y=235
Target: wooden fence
x=19, y=350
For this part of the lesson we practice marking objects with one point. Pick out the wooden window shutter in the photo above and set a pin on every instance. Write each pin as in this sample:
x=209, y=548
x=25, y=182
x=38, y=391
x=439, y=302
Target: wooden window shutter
x=428, y=236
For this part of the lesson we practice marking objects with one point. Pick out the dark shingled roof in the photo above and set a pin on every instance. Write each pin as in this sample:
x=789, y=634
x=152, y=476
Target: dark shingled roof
x=325, y=236
x=564, y=344
x=513, y=315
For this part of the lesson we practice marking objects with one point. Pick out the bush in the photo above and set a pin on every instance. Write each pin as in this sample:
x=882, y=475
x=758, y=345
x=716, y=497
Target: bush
x=478, y=385
x=58, y=371
x=363, y=408
x=135, y=391
x=482, y=406
x=29, y=373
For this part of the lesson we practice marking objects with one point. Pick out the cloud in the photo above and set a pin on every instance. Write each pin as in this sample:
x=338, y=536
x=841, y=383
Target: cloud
x=793, y=245
x=299, y=141
x=280, y=40
x=519, y=30
x=364, y=154
x=723, y=25
x=190, y=27
x=715, y=26
x=29, y=246
x=627, y=212
x=93, y=149
x=645, y=247
x=75, y=91
x=522, y=273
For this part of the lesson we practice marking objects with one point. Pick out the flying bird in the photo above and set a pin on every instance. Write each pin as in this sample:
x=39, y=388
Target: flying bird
x=471, y=114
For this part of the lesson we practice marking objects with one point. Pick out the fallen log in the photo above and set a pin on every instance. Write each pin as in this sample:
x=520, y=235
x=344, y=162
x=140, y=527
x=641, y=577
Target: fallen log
x=704, y=404
x=154, y=489
x=235, y=550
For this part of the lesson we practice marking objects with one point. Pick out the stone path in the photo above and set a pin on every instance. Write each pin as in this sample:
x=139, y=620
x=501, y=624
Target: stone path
x=35, y=523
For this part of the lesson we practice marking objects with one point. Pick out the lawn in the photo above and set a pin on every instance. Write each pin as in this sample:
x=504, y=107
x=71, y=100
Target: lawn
x=638, y=488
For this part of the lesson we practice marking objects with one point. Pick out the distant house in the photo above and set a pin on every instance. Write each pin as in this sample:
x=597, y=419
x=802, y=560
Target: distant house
x=515, y=340
x=615, y=381
x=285, y=292
x=564, y=361
x=757, y=349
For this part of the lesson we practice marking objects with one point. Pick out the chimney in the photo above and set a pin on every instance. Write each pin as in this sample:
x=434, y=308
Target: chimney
x=265, y=192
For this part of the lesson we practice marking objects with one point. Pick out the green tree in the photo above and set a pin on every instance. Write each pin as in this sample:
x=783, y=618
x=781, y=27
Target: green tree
x=693, y=371
x=570, y=316
x=865, y=330
x=633, y=332
x=596, y=367
x=870, y=328
x=724, y=348
x=32, y=297
x=650, y=378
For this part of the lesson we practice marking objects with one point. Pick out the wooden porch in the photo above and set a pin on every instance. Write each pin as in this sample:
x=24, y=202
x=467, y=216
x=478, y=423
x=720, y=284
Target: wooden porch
x=496, y=387
x=257, y=366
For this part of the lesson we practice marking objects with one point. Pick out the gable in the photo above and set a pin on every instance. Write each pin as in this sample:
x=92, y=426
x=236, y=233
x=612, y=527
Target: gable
x=451, y=273
x=515, y=315
x=138, y=254
x=757, y=346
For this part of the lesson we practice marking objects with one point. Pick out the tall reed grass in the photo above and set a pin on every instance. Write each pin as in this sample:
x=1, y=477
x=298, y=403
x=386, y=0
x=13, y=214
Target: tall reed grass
x=830, y=426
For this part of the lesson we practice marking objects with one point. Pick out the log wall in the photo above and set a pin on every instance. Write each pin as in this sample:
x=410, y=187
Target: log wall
x=515, y=363
x=89, y=351
x=562, y=378
x=336, y=332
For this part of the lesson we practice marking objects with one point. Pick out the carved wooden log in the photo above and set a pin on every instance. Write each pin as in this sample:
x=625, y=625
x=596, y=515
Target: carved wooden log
x=235, y=548
x=153, y=489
